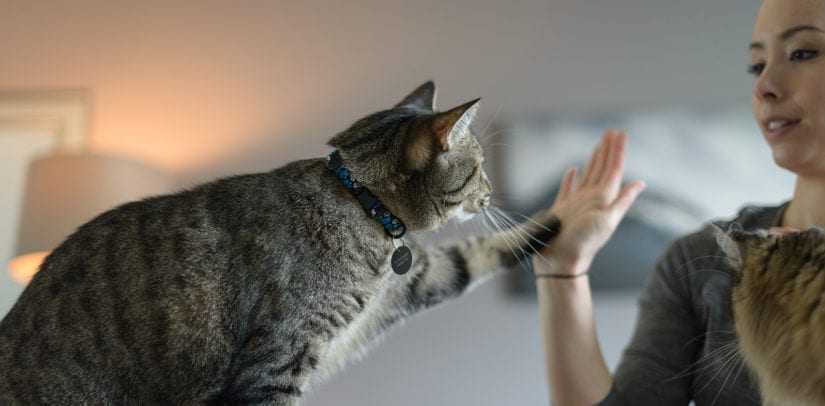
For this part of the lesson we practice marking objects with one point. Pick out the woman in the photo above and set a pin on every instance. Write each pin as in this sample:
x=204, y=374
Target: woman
x=681, y=349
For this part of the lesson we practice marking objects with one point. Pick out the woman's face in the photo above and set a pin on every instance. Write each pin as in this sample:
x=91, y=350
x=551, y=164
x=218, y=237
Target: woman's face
x=788, y=61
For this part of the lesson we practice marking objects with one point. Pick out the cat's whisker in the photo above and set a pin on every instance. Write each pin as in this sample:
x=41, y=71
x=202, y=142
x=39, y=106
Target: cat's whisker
x=517, y=230
x=509, y=197
x=733, y=362
x=699, y=258
x=712, y=359
x=530, y=219
x=726, y=358
x=508, y=234
x=488, y=136
x=711, y=356
x=509, y=231
x=491, y=147
x=741, y=367
x=505, y=237
x=487, y=127
x=707, y=333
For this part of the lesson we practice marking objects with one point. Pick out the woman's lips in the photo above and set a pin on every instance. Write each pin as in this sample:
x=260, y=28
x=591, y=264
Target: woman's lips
x=776, y=128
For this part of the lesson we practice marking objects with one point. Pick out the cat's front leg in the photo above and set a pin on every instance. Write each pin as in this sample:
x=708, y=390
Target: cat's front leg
x=259, y=389
x=444, y=272
x=272, y=368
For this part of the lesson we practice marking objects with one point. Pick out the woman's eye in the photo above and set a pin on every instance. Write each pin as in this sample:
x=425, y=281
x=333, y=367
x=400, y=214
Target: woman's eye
x=803, y=54
x=756, y=68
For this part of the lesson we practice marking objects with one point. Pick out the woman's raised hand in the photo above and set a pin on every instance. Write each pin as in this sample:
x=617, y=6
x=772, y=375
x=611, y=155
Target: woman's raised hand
x=590, y=207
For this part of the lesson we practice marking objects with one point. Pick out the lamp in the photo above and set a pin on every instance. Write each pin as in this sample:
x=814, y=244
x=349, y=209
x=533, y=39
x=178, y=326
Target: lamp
x=64, y=191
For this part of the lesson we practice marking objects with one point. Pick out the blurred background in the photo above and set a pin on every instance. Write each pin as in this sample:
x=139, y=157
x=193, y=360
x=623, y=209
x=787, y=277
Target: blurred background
x=195, y=90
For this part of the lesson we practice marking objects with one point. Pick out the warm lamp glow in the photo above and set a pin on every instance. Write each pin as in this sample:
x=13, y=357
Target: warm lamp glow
x=24, y=267
x=64, y=191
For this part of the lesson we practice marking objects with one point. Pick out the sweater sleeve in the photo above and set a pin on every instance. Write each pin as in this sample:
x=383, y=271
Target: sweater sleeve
x=656, y=364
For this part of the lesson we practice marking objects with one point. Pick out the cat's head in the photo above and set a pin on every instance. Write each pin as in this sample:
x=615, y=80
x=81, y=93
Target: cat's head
x=778, y=312
x=775, y=251
x=425, y=165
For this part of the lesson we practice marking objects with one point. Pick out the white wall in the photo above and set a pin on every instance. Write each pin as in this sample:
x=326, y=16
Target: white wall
x=20, y=143
x=208, y=88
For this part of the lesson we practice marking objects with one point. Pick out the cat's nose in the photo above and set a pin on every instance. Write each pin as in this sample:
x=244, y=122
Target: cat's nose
x=484, y=202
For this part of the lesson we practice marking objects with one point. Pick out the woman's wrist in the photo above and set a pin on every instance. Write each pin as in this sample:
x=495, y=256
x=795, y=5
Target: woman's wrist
x=550, y=275
x=564, y=268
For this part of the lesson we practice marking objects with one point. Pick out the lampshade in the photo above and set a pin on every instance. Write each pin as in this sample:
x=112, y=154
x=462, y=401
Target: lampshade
x=64, y=191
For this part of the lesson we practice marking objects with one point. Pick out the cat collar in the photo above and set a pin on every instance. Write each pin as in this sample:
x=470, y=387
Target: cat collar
x=392, y=225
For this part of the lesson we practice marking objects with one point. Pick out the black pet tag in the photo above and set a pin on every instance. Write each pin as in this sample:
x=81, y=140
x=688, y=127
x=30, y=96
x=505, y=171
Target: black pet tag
x=402, y=259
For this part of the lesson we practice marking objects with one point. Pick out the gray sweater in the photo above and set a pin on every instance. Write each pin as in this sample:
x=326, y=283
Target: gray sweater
x=683, y=347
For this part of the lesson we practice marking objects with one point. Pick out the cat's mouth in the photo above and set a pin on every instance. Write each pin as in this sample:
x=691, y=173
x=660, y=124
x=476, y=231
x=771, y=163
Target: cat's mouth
x=462, y=214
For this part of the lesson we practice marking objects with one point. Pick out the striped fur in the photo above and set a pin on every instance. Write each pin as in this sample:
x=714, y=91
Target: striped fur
x=779, y=313
x=251, y=289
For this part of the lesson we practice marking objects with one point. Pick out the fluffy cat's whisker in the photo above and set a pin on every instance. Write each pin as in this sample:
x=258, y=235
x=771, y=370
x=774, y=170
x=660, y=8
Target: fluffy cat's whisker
x=708, y=333
x=724, y=348
x=730, y=355
x=699, y=258
x=734, y=360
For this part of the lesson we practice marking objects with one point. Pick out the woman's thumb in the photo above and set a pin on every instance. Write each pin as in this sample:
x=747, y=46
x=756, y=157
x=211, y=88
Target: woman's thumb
x=627, y=196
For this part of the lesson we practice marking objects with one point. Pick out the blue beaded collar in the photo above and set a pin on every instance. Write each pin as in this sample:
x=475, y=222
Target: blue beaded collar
x=392, y=225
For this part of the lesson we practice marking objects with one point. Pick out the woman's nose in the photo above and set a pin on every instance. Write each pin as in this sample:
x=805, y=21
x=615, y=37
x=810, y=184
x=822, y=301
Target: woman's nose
x=768, y=85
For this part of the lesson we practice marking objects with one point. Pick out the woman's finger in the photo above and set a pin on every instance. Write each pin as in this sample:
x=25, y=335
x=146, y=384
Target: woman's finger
x=594, y=165
x=627, y=196
x=567, y=184
x=601, y=163
x=614, y=167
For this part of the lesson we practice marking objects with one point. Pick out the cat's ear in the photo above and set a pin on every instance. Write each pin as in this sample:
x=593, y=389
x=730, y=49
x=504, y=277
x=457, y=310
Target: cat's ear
x=736, y=243
x=438, y=133
x=423, y=97
x=728, y=241
x=454, y=123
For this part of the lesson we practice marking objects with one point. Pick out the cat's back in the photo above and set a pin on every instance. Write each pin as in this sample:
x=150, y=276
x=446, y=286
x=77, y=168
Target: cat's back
x=141, y=288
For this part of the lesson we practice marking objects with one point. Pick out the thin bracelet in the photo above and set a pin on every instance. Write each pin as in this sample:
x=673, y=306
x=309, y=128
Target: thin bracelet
x=560, y=275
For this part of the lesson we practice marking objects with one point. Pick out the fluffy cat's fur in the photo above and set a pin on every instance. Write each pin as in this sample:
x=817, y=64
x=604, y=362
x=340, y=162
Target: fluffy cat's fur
x=251, y=289
x=778, y=311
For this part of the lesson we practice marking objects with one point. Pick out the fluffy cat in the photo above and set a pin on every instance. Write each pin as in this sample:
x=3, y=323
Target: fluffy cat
x=251, y=289
x=778, y=311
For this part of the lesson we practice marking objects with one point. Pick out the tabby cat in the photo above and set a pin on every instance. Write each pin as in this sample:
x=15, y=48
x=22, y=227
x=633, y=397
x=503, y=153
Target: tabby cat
x=253, y=288
x=778, y=311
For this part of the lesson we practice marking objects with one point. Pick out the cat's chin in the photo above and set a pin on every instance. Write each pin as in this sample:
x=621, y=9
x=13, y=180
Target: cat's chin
x=461, y=215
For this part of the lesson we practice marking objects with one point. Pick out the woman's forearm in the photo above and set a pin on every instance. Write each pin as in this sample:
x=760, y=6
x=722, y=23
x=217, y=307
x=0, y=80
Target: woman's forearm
x=590, y=208
x=576, y=371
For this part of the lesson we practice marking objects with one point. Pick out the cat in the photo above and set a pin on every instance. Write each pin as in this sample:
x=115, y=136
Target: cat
x=255, y=288
x=778, y=311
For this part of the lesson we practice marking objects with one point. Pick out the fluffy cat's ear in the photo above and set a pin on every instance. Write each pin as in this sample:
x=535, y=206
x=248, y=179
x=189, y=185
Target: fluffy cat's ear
x=729, y=243
x=735, y=242
x=454, y=123
x=423, y=97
